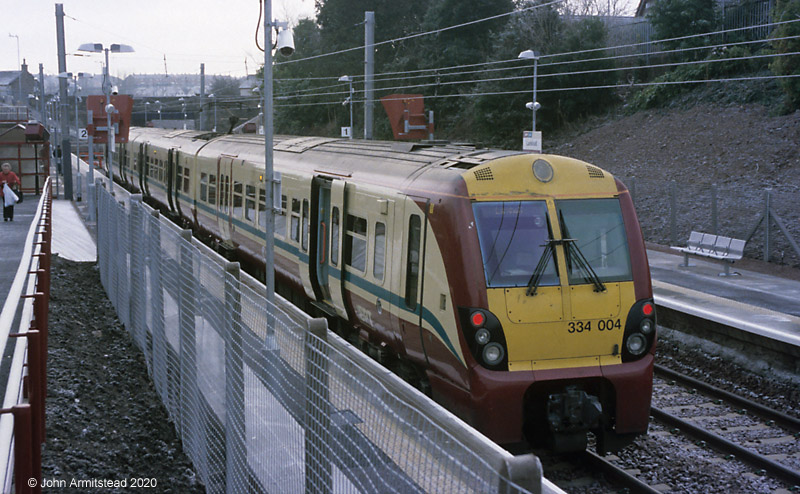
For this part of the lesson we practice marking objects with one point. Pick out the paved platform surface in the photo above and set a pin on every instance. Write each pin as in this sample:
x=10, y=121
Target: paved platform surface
x=756, y=302
x=12, y=241
x=71, y=238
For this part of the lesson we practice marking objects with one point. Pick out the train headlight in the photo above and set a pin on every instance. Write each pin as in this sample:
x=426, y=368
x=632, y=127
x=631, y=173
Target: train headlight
x=646, y=326
x=493, y=354
x=482, y=336
x=543, y=171
x=636, y=344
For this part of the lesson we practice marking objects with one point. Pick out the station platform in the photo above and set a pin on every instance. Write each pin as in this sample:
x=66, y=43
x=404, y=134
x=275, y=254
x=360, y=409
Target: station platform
x=761, y=304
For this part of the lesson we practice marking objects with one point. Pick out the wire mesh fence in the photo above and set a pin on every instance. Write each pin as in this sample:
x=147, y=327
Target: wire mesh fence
x=264, y=398
x=669, y=212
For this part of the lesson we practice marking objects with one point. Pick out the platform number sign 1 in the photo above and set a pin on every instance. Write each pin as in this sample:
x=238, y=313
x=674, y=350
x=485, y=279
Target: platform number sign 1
x=347, y=131
x=83, y=134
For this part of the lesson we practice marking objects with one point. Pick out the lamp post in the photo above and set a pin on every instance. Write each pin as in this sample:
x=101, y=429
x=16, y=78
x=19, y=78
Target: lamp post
x=159, y=109
x=532, y=55
x=19, y=67
x=349, y=99
x=114, y=48
x=183, y=110
x=286, y=46
x=146, y=104
x=214, y=100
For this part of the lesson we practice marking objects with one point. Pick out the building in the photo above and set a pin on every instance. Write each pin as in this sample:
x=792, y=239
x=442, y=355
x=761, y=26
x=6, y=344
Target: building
x=16, y=85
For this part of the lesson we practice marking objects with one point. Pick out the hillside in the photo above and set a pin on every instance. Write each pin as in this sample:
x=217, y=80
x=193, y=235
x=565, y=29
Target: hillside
x=740, y=148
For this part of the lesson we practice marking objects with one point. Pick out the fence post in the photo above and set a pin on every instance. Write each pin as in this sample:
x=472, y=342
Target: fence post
x=189, y=426
x=235, y=446
x=714, y=217
x=90, y=198
x=673, y=212
x=159, y=337
x=24, y=447
x=523, y=471
x=766, y=224
x=319, y=477
x=134, y=296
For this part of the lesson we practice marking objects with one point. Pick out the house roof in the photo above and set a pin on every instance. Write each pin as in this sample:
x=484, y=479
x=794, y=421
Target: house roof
x=8, y=77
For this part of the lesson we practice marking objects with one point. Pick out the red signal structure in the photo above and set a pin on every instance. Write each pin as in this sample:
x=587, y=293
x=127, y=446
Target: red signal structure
x=120, y=118
x=407, y=116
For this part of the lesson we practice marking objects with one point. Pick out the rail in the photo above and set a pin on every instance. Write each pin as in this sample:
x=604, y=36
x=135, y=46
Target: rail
x=265, y=398
x=22, y=417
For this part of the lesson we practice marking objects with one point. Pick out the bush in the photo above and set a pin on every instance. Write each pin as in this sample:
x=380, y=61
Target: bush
x=786, y=10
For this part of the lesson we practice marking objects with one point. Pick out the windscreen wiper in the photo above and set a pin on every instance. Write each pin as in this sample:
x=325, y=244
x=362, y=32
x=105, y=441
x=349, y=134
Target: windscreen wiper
x=580, y=259
x=583, y=264
x=536, y=277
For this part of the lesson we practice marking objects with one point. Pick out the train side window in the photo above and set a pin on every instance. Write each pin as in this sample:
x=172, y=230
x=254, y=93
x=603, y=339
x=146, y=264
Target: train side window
x=305, y=225
x=249, y=202
x=295, y=221
x=262, y=209
x=355, y=243
x=179, y=176
x=379, y=251
x=212, y=190
x=335, y=236
x=186, y=181
x=160, y=170
x=280, y=219
x=204, y=187
x=412, y=261
x=237, y=199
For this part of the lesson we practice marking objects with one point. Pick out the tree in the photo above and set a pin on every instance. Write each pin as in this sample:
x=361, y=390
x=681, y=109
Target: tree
x=222, y=86
x=787, y=65
x=680, y=18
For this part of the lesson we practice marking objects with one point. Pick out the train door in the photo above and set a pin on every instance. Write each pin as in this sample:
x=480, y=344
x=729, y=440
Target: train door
x=180, y=177
x=412, y=271
x=170, y=178
x=224, y=196
x=331, y=261
x=145, y=173
x=140, y=165
x=320, y=267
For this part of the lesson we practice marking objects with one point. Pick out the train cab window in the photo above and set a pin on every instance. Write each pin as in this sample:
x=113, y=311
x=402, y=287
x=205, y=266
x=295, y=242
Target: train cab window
x=160, y=170
x=249, y=203
x=204, y=187
x=355, y=243
x=305, y=225
x=335, y=236
x=599, y=233
x=379, y=252
x=224, y=187
x=212, y=190
x=238, y=201
x=513, y=237
x=179, y=176
x=412, y=261
x=294, y=228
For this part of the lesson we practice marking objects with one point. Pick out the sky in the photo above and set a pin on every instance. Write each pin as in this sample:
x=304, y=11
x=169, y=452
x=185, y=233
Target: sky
x=219, y=33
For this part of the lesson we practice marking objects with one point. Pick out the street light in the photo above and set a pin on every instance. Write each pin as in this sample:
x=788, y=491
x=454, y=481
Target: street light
x=159, y=109
x=19, y=66
x=183, y=110
x=146, y=104
x=114, y=48
x=534, y=105
x=349, y=99
x=214, y=99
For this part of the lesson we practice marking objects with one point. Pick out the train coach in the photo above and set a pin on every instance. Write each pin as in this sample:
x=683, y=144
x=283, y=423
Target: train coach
x=512, y=287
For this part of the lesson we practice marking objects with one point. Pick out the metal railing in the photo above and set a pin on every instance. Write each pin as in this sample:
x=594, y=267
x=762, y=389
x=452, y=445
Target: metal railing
x=668, y=213
x=266, y=399
x=22, y=417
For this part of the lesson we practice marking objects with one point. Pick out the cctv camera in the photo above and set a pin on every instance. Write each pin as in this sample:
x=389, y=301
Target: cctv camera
x=114, y=90
x=533, y=106
x=285, y=42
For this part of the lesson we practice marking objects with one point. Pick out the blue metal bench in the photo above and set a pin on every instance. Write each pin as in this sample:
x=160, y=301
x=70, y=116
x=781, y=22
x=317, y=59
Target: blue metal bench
x=716, y=247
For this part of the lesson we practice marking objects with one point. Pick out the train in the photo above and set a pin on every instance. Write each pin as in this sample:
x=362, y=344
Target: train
x=511, y=287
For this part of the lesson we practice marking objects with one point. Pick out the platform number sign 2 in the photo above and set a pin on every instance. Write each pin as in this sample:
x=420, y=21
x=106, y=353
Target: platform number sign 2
x=83, y=134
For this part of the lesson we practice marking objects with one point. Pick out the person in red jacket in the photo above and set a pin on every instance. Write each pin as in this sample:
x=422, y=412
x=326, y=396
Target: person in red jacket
x=10, y=178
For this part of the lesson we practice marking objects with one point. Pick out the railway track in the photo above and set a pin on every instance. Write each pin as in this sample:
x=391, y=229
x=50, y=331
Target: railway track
x=701, y=433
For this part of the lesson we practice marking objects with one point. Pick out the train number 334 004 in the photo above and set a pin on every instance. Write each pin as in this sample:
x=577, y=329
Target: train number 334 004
x=601, y=325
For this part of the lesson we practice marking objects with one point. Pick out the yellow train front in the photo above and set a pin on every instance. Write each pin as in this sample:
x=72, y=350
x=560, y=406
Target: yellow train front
x=554, y=303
